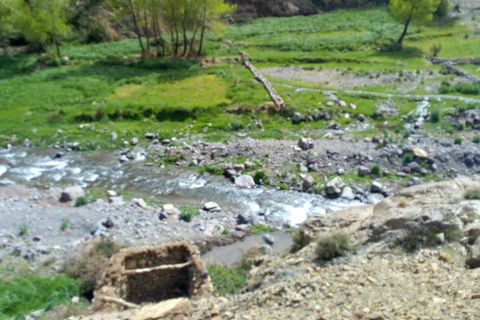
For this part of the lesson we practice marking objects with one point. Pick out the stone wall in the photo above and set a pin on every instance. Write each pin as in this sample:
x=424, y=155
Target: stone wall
x=151, y=275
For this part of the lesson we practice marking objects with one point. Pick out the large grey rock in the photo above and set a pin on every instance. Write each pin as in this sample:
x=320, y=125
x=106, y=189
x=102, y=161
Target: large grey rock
x=113, y=136
x=211, y=207
x=72, y=193
x=347, y=193
x=305, y=143
x=298, y=117
x=335, y=186
x=308, y=182
x=269, y=239
x=6, y=182
x=245, y=181
x=376, y=187
x=363, y=171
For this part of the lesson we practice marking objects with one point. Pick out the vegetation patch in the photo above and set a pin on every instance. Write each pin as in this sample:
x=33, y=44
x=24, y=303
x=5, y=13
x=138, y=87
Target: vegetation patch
x=472, y=194
x=227, y=280
x=331, y=246
x=260, y=228
x=20, y=296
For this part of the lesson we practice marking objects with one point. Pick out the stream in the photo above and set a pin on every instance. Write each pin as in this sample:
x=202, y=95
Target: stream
x=38, y=168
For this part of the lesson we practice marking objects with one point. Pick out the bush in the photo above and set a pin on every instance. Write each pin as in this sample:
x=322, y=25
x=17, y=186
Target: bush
x=473, y=194
x=90, y=265
x=261, y=177
x=408, y=157
x=443, y=8
x=237, y=125
x=376, y=170
x=435, y=116
x=331, y=246
x=435, y=49
x=457, y=141
x=65, y=224
x=188, y=212
x=20, y=296
x=83, y=201
x=460, y=126
x=227, y=280
x=476, y=139
x=100, y=114
x=48, y=60
x=260, y=228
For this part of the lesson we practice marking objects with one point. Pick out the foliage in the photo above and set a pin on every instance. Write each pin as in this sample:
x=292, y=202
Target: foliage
x=435, y=116
x=417, y=12
x=90, y=265
x=227, y=280
x=457, y=141
x=23, y=230
x=435, y=49
x=376, y=170
x=407, y=157
x=83, y=201
x=331, y=246
x=260, y=228
x=476, y=139
x=188, y=212
x=428, y=237
x=65, y=224
x=20, y=296
x=443, y=8
x=261, y=177
x=472, y=194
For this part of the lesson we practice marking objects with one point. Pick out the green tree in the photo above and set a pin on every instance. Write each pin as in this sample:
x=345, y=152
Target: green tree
x=43, y=21
x=5, y=25
x=417, y=12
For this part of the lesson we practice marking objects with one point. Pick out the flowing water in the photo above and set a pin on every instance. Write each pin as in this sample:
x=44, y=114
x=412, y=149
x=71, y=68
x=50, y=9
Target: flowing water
x=37, y=167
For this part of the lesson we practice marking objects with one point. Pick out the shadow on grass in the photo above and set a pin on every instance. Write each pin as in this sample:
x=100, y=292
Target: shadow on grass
x=12, y=65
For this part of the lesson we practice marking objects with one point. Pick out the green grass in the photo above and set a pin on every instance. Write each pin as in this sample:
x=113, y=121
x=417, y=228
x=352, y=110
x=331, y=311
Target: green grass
x=260, y=228
x=19, y=296
x=227, y=280
x=188, y=212
x=106, y=87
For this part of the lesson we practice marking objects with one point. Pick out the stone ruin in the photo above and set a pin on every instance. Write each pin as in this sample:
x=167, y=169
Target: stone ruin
x=139, y=276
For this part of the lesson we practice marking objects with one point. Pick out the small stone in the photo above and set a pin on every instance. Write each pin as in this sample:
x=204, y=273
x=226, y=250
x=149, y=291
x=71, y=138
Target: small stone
x=377, y=187
x=75, y=299
x=269, y=239
x=113, y=136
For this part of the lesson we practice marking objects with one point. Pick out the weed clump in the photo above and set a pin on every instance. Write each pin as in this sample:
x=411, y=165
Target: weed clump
x=457, y=141
x=227, y=280
x=435, y=116
x=260, y=228
x=187, y=213
x=261, y=177
x=90, y=265
x=83, y=201
x=375, y=170
x=331, y=246
x=473, y=194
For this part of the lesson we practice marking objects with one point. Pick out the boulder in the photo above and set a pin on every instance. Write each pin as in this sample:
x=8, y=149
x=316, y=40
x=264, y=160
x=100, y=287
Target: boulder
x=341, y=103
x=140, y=202
x=347, y=193
x=298, y=117
x=419, y=153
x=134, y=141
x=335, y=186
x=72, y=193
x=305, y=143
x=269, y=239
x=113, y=136
x=363, y=171
x=245, y=181
x=211, y=207
x=361, y=118
x=376, y=187
x=308, y=182
x=6, y=182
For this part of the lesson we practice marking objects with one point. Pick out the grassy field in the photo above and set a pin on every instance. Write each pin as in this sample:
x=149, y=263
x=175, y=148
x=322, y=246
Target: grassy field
x=108, y=87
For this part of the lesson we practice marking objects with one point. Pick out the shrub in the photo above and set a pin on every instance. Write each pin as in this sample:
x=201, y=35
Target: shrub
x=83, y=117
x=443, y=8
x=436, y=48
x=376, y=170
x=227, y=280
x=460, y=126
x=48, y=60
x=261, y=177
x=435, y=116
x=82, y=201
x=100, y=114
x=476, y=139
x=473, y=194
x=188, y=212
x=260, y=228
x=403, y=203
x=20, y=296
x=457, y=7
x=65, y=224
x=210, y=168
x=331, y=246
x=406, y=134
x=23, y=231
x=90, y=265
x=408, y=157
x=457, y=141
x=236, y=126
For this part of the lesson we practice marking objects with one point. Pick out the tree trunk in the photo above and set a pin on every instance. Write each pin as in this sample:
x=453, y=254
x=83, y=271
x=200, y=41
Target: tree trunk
x=135, y=24
x=192, y=41
x=404, y=33
x=185, y=46
x=58, y=48
x=147, y=33
x=200, y=47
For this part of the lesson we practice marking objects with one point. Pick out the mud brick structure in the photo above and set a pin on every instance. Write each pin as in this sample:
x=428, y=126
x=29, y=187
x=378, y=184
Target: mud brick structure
x=150, y=275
